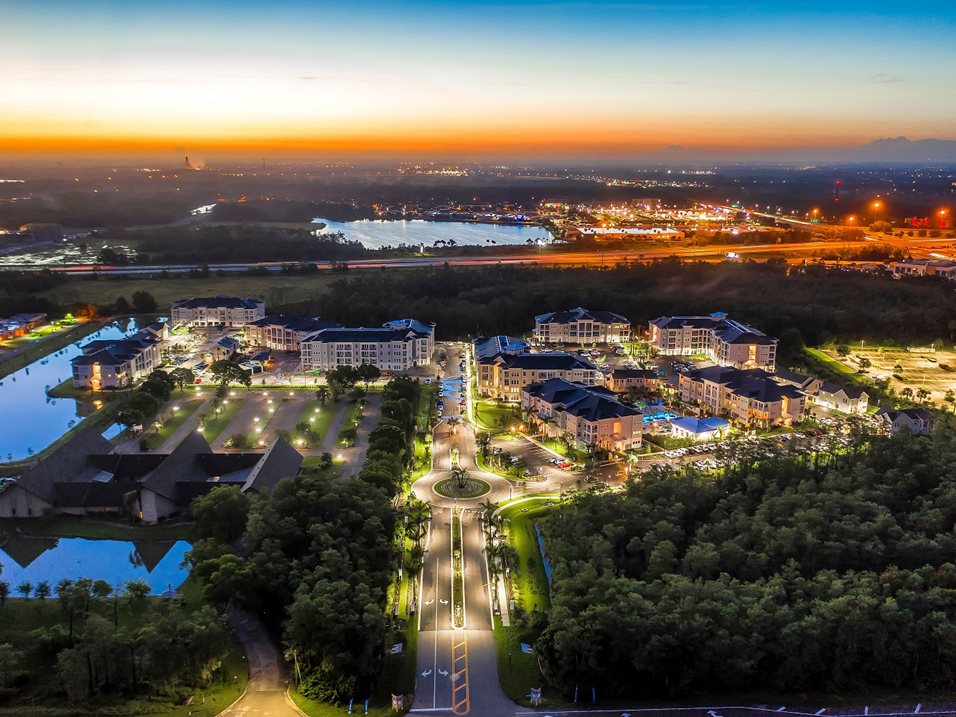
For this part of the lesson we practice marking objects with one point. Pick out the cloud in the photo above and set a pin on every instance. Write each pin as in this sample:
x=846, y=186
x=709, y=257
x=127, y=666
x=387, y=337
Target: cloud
x=884, y=78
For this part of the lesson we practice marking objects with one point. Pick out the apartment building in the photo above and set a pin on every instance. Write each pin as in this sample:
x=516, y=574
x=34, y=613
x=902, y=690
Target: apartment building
x=746, y=396
x=284, y=332
x=397, y=346
x=591, y=417
x=724, y=341
x=581, y=326
x=502, y=376
x=622, y=380
x=845, y=399
x=216, y=311
x=118, y=363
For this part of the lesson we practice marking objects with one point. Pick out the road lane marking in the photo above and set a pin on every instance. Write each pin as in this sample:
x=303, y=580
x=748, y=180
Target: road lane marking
x=460, y=691
x=435, y=678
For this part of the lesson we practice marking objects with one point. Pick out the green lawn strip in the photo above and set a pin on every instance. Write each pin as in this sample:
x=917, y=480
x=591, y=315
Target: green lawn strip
x=426, y=406
x=19, y=618
x=319, y=417
x=528, y=577
x=47, y=346
x=215, y=423
x=68, y=526
x=172, y=424
x=517, y=671
x=835, y=366
x=351, y=420
x=492, y=415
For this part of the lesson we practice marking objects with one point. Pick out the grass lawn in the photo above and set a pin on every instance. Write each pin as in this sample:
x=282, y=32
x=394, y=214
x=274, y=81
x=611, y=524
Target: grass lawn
x=517, y=671
x=318, y=417
x=834, y=365
x=186, y=409
x=216, y=423
x=493, y=415
x=68, y=526
x=351, y=420
x=528, y=578
x=19, y=617
x=426, y=406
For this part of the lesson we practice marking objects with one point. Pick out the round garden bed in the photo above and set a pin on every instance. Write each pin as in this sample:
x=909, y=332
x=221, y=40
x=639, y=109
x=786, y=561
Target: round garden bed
x=472, y=488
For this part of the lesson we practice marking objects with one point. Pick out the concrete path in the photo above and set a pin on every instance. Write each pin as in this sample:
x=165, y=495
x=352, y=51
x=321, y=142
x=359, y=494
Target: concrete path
x=265, y=694
x=286, y=415
x=329, y=442
x=355, y=456
x=189, y=425
x=254, y=406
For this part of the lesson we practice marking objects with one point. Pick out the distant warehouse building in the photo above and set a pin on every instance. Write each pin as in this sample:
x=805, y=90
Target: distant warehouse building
x=724, y=341
x=397, y=346
x=216, y=311
x=924, y=267
x=581, y=326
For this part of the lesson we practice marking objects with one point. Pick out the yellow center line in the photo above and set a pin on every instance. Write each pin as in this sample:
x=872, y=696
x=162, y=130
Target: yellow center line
x=460, y=693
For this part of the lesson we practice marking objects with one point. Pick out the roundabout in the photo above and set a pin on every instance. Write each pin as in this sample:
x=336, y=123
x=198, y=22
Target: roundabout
x=462, y=489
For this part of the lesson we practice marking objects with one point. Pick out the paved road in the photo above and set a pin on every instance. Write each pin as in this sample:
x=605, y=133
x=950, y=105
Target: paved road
x=457, y=668
x=265, y=694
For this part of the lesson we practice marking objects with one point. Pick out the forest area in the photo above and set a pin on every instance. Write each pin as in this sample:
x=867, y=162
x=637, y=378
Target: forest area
x=834, y=571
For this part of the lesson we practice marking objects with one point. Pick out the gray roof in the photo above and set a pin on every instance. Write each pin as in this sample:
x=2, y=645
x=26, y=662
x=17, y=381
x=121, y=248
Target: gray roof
x=217, y=302
x=295, y=322
x=180, y=465
x=279, y=461
x=854, y=392
x=413, y=324
x=591, y=404
x=491, y=346
x=753, y=383
x=382, y=335
x=619, y=374
x=65, y=464
x=550, y=360
x=580, y=313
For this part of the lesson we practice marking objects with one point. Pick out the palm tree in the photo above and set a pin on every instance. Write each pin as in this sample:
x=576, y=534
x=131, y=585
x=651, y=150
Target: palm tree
x=322, y=395
x=923, y=394
x=43, y=590
x=4, y=592
x=25, y=588
x=460, y=476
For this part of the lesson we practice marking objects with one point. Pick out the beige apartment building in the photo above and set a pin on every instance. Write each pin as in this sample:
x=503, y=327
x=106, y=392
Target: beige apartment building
x=588, y=416
x=722, y=340
x=502, y=376
x=581, y=327
x=749, y=397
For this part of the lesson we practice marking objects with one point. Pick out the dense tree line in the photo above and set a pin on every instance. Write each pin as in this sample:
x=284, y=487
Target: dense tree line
x=316, y=556
x=792, y=573
x=821, y=304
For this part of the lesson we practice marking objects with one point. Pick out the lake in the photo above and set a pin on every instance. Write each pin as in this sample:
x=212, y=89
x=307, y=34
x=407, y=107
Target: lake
x=34, y=559
x=375, y=234
x=34, y=419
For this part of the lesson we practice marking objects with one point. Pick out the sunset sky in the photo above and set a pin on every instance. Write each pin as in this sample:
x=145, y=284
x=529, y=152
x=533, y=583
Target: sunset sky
x=493, y=78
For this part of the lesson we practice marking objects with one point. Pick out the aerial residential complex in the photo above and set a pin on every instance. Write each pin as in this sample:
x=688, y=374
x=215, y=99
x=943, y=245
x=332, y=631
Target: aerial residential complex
x=722, y=340
x=747, y=396
x=119, y=363
x=85, y=477
x=845, y=399
x=588, y=416
x=216, y=311
x=397, y=346
x=281, y=332
x=581, y=326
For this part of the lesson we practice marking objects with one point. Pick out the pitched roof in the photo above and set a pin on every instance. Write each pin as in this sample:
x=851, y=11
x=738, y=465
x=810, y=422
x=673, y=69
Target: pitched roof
x=180, y=465
x=587, y=402
x=579, y=313
x=66, y=463
x=382, y=335
x=491, y=346
x=217, y=302
x=295, y=322
x=412, y=324
x=753, y=383
x=795, y=377
x=279, y=461
x=853, y=392
x=547, y=361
